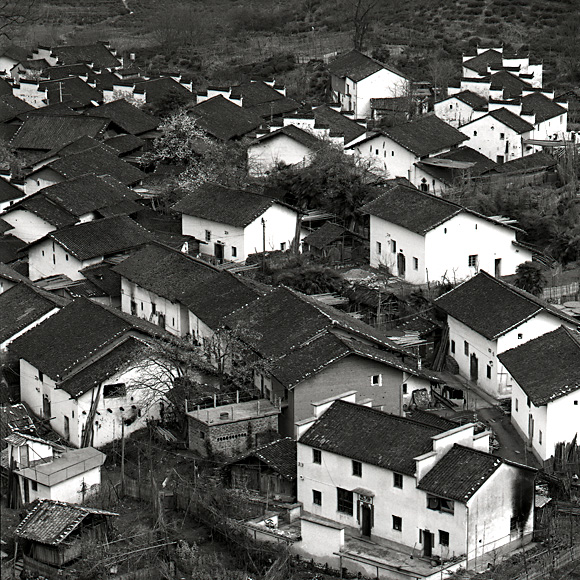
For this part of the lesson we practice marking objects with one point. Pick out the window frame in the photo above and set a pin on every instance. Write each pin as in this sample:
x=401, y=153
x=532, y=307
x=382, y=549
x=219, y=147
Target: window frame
x=397, y=523
x=317, y=456
x=316, y=497
x=444, y=538
x=344, y=501
x=356, y=468
x=398, y=479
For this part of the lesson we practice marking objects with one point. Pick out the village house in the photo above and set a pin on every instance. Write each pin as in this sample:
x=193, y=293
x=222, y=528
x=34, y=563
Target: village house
x=334, y=242
x=356, y=78
x=51, y=550
x=100, y=54
x=9, y=277
x=426, y=495
x=233, y=223
x=395, y=151
x=12, y=56
x=14, y=419
x=486, y=317
x=68, y=250
x=423, y=238
x=129, y=118
x=460, y=108
x=10, y=193
x=545, y=406
x=44, y=470
x=93, y=382
x=231, y=429
x=269, y=470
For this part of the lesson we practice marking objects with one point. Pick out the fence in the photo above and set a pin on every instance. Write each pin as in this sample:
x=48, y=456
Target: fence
x=558, y=293
x=544, y=563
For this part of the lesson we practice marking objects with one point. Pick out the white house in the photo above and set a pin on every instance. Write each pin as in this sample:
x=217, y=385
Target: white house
x=546, y=390
x=86, y=371
x=461, y=108
x=420, y=237
x=550, y=118
x=233, y=223
x=9, y=193
x=394, y=151
x=419, y=491
x=356, y=78
x=47, y=471
x=487, y=317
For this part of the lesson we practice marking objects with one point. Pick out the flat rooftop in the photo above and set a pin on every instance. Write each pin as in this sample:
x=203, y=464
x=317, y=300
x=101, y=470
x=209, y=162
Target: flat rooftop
x=235, y=412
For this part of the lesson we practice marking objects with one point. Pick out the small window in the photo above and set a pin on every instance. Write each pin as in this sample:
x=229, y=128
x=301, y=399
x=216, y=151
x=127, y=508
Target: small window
x=202, y=434
x=540, y=437
x=575, y=402
x=379, y=247
x=517, y=404
x=393, y=246
x=66, y=257
x=520, y=336
x=153, y=308
x=376, y=151
x=475, y=133
x=392, y=153
x=472, y=261
x=466, y=348
x=43, y=252
x=397, y=524
x=444, y=230
x=450, y=107
x=415, y=263
x=398, y=480
x=40, y=376
x=357, y=468
x=207, y=235
x=316, y=456
x=283, y=246
x=452, y=347
x=405, y=388
x=141, y=305
x=344, y=501
x=114, y=390
x=316, y=497
x=33, y=485
x=488, y=371
x=376, y=380
x=234, y=252
x=443, y=538
x=440, y=504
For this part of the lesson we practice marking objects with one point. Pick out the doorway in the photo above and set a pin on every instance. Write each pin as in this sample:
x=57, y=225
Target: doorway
x=401, y=265
x=218, y=250
x=473, y=367
x=497, y=267
x=366, y=519
x=427, y=543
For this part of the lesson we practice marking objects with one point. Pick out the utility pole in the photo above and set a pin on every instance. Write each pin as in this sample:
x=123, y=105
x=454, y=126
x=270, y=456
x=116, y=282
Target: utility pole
x=263, y=246
x=122, y=456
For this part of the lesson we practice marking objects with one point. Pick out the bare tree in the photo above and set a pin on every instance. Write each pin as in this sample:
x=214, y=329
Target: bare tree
x=15, y=13
x=361, y=12
x=440, y=70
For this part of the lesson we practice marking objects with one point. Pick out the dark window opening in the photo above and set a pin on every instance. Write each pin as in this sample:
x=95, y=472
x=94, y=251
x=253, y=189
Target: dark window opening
x=344, y=501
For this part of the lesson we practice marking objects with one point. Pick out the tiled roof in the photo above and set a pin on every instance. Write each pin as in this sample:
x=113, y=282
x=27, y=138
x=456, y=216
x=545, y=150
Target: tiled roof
x=542, y=107
x=357, y=66
x=511, y=84
x=102, y=237
x=125, y=144
x=9, y=273
x=11, y=107
x=460, y=473
x=10, y=248
x=429, y=418
x=225, y=205
x=480, y=62
x=96, y=53
x=47, y=209
x=47, y=132
x=426, y=135
x=511, y=120
x=284, y=319
x=263, y=100
x=540, y=159
x=475, y=101
x=60, y=109
x=156, y=89
x=99, y=161
x=104, y=278
x=9, y=192
x=83, y=329
x=14, y=418
x=69, y=70
x=125, y=115
x=279, y=455
x=5, y=87
x=547, y=367
x=16, y=53
x=22, y=305
x=325, y=235
x=303, y=137
x=338, y=123
x=70, y=89
x=51, y=522
x=223, y=119
x=492, y=307
x=348, y=429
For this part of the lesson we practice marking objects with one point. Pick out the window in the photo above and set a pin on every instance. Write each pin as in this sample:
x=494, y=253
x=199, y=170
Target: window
x=234, y=252
x=393, y=246
x=207, y=235
x=316, y=497
x=376, y=380
x=202, y=434
x=466, y=348
x=450, y=107
x=539, y=437
x=440, y=504
x=66, y=257
x=379, y=247
x=316, y=456
x=344, y=501
x=43, y=252
x=443, y=538
x=114, y=390
x=283, y=246
x=33, y=485
x=141, y=305
x=472, y=261
x=502, y=136
x=475, y=133
x=376, y=151
x=488, y=371
x=520, y=336
x=357, y=468
x=415, y=263
x=153, y=308
x=405, y=388
x=392, y=153
x=575, y=402
x=517, y=405
x=398, y=480
x=40, y=376
x=452, y=347
x=397, y=524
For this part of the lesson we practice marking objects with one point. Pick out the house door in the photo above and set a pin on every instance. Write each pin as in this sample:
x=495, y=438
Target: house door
x=401, y=265
x=45, y=407
x=531, y=428
x=427, y=543
x=66, y=428
x=218, y=250
x=497, y=267
x=366, y=519
x=473, y=367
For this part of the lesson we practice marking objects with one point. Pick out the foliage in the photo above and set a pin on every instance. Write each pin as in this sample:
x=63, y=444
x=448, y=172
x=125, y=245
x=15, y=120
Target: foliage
x=14, y=14
x=169, y=103
x=529, y=277
x=310, y=279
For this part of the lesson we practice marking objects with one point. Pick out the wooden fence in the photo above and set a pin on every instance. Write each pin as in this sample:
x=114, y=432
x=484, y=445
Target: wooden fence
x=559, y=293
x=541, y=566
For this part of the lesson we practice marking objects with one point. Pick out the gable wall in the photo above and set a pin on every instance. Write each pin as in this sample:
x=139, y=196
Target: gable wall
x=56, y=260
x=382, y=84
x=28, y=227
x=265, y=156
x=455, y=112
x=224, y=233
x=41, y=179
x=280, y=229
x=387, y=157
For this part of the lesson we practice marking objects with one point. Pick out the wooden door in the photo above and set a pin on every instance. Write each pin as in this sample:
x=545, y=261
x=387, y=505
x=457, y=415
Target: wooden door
x=474, y=367
x=366, y=520
x=427, y=543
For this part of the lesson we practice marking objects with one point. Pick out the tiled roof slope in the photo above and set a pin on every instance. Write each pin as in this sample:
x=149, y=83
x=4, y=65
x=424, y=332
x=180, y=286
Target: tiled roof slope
x=339, y=123
x=303, y=137
x=125, y=144
x=234, y=207
x=357, y=66
x=223, y=119
x=460, y=473
x=70, y=89
x=492, y=307
x=475, y=101
x=480, y=62
x=46, y=209
x=11, y=107
x=263, y=100
x=511, y=120
x=52, y=522
x=8, y=191
x=539, y=159
x=96, y=53
x=47, y=132
x=542, y=107
x=426, y=135
x=5, y=87
x=97, y=160
x=102, y=237
x=547, y=367
x=104, y=278
x=279, y=455
x=511, y=84
x=9, y=273
x=83, y=328
x=325, y=235
x=348, y=429
x=156, y=89
x=430, y=418
x=131, y=119
x=22, y=305
x=448, y=175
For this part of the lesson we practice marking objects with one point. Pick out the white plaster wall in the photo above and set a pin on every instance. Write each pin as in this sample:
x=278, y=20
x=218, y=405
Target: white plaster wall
x=265, y=156
x=68, y=490
x=28, y=227
x=382, y=84
x=475, y=85
x=6, y=64
x=487, y=140
x=280, y=229
x=41, y=179
x=29, y=92
x=224, y=233
x=386, y=157
x=56, y=260
x=199, y=329
x=454, y=112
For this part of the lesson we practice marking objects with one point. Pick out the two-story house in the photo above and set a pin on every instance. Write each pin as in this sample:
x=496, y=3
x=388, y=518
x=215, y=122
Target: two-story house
x=422, y=238
x=461, y=108
x=546, y=390
x=418, y=491
x=486, y=317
